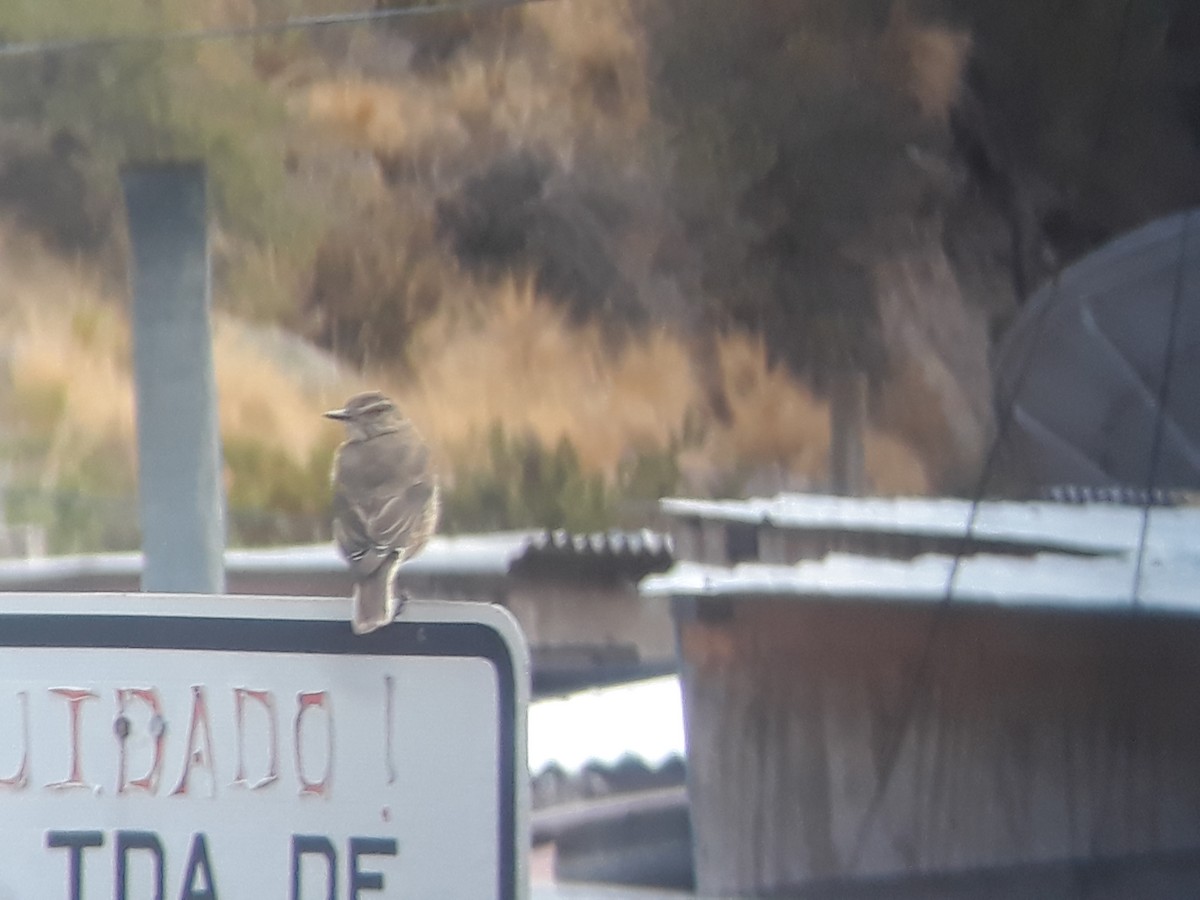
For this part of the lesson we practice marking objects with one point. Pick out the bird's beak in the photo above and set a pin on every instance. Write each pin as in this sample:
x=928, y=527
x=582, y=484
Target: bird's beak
x=339, y=414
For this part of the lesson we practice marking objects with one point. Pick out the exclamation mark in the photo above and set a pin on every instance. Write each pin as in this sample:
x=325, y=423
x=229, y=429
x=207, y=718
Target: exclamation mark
x=389, y=700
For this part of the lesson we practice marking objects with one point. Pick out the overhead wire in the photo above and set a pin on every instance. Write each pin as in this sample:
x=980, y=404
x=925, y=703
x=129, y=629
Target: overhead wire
x=908, y=711
x=924, y=666
x=258, y=29
x=920, y=680
x=1163, y=398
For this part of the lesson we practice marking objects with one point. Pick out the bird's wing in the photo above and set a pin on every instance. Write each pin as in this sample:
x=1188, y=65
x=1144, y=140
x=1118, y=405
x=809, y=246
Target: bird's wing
x=351, y=532
x=401, y=519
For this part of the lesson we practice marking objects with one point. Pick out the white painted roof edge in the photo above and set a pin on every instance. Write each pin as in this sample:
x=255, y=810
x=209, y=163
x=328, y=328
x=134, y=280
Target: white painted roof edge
x=1045, y=581
x=1094, y=527
x=485, y=554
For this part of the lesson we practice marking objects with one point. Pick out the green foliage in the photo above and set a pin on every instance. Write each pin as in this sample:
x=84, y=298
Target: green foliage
x=523, y=484
x=89, y=507
x=81, y=493
x=148, y=101
x=38, y=407
x=792, y=128
x=649, y=476
x=76, y=520
x=274, y=499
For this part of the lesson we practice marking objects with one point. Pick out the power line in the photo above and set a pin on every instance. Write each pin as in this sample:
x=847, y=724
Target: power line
x=261, y=29
x=925, y=662
x=1164, y=394
x=919, y=685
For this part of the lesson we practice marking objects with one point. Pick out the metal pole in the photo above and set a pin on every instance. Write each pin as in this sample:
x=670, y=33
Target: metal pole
x=847, y=426
x=179, y=452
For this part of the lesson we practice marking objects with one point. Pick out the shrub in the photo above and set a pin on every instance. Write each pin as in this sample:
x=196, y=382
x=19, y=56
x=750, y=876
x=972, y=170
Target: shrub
x=521, y=484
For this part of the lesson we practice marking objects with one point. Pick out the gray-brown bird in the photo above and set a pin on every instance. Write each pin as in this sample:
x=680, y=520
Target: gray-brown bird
x=385, y=502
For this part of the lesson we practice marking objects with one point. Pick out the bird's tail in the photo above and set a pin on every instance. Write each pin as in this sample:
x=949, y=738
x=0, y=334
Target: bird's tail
x=375, y=600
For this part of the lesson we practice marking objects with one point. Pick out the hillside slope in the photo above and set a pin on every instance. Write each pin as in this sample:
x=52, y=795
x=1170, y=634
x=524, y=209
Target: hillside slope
x=601, y=249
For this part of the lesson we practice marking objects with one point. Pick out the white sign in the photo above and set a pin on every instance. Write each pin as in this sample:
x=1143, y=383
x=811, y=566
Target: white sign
x=224, y=748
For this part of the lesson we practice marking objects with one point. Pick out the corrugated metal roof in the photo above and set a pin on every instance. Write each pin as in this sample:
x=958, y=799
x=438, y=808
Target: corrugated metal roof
x=612, y=554
x=603, y=727
x=491, y=556
x=471, y=554
x=468, y=555
x=1124, y=494
x=1097, y=528
x=1045, y=580
x=643, y=543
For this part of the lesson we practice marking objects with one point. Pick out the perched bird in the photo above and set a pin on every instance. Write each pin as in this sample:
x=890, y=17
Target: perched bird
x=385, y=502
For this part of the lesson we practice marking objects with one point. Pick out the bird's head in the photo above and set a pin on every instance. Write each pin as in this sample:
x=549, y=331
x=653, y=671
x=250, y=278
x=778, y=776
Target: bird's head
x=367, y=414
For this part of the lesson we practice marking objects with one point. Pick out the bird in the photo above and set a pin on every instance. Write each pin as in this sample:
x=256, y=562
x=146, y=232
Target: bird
x=385, y=502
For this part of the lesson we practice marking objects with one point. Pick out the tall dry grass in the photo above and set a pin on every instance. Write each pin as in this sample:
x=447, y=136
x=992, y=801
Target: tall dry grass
x=563, y=78
x=515, y=360
x=779, y=436
x=69, y=353
x=931, y=59
x=504, y=358
x=570, y=82
x=69, y=383
x=68, y=433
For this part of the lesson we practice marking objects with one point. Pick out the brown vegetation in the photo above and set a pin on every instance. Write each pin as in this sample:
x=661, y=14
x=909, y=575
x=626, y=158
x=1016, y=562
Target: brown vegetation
x=601, y=249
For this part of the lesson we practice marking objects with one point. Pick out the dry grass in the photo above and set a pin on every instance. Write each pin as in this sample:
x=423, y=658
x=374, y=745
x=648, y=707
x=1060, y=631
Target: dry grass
x=777, y=423
x=508, y=357
x=893, y=466
x=932, y=57
x=385, y=118
x=262, y=401
x=590, y=31
x=566, y=80
x=599, y=55
x=70, y=377
x=782, y=429
x=70, y=387
x=571, y=77
x=67, y=354
x=516, y=361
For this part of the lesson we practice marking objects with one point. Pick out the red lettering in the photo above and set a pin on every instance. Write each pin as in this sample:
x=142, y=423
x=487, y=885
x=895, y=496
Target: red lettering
x=198, y=755
x=20, y=779
x=310, y=700
x=267, y=699
x=149, y=781
x=74, y=698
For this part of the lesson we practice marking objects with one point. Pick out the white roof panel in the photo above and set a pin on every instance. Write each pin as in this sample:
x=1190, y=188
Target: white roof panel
x=1044, y=580
x=641, y=720
x=1095, y=528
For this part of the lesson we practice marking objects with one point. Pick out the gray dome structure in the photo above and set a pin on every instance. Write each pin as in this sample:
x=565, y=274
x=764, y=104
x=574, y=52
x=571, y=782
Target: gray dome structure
x=1082, y=369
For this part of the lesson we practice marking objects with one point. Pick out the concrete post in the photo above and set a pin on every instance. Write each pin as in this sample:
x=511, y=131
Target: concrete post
x=179, y=453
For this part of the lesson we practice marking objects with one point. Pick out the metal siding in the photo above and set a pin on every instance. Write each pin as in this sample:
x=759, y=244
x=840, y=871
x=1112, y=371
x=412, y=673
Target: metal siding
x=1036, y=739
